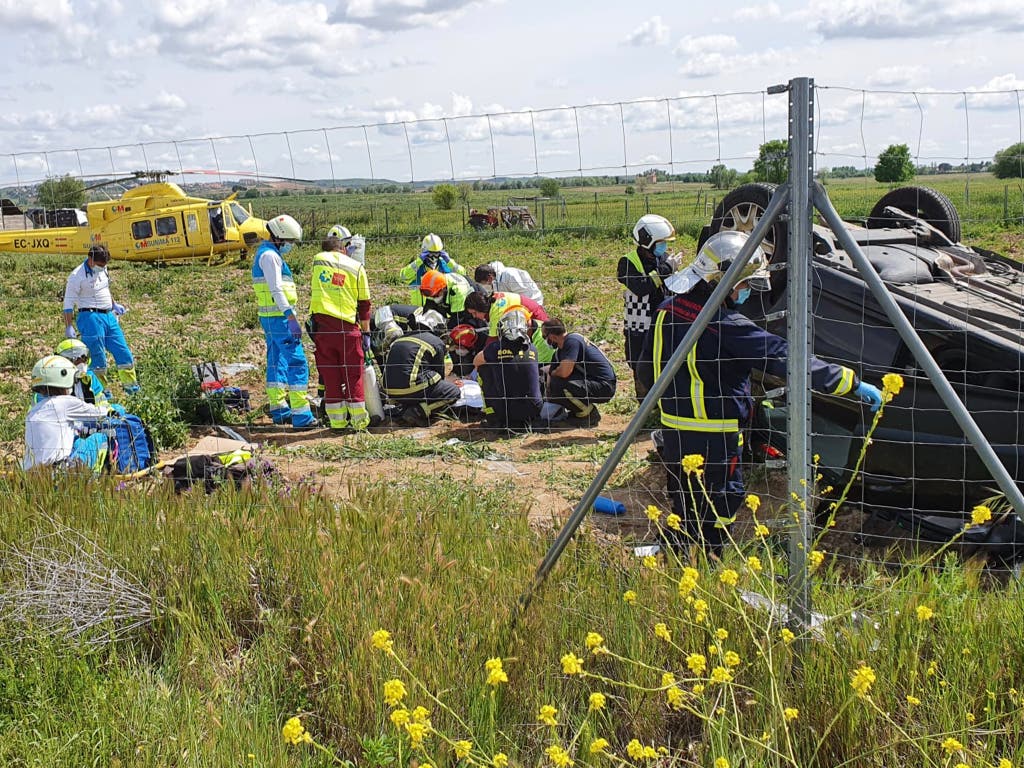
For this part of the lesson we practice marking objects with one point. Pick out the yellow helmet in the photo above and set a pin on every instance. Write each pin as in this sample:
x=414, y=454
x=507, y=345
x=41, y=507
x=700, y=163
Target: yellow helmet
x=72, y=349
x=432, y=244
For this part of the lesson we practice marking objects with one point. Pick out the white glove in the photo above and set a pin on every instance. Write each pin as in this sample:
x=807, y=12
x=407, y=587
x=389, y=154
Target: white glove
x=675, y=261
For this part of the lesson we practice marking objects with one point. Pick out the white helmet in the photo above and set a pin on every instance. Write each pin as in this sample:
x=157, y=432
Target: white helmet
x=651, y=229
x=715, y=257
x=429, y=320
x=284, y=227
x=340, y=232
x=432, y=244
x=53, y=371
x=72, y=349
x=513, y=326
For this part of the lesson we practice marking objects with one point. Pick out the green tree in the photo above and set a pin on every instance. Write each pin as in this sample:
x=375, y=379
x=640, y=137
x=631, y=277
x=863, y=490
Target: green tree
x=61, y=192
x=772, y=162
x=464, y=190
x=1009, y=163
x=444, y=196
x=722, y=177
x=548, y=187
x=894, y=165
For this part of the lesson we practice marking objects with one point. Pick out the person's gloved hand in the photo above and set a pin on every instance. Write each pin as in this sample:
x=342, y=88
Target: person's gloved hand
x=119, y=309
x=870, y=394
x=675, y=261
x=427, y=257
x=70, y=332
x=444, y=257
x=366, y=343
x=294, y=328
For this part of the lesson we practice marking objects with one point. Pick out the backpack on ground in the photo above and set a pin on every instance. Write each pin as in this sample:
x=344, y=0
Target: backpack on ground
x=133, y=441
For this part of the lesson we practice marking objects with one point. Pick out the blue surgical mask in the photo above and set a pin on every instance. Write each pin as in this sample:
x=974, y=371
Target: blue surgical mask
x=744, y=295
x=660, y=249
x=285, y=248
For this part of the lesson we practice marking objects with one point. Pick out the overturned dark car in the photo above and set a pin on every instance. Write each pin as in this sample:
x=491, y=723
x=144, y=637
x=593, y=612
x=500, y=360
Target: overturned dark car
x=967, y=305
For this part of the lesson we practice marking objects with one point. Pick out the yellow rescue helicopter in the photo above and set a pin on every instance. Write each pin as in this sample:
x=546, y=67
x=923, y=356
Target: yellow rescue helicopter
x=153, y=222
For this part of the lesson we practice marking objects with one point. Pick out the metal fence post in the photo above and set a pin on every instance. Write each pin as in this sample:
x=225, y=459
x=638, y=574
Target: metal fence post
x=798, y=330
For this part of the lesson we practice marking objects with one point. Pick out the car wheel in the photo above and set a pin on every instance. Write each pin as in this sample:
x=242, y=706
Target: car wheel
x=741, y=209
x=923, y=202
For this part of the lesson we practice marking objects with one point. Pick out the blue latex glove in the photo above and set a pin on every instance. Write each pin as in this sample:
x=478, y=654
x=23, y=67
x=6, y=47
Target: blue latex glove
x=870, y=394
x=445, y=258
x=427, y=257
x=294, y=328
x=70, y=332
x=366, y=343
x=119, y=309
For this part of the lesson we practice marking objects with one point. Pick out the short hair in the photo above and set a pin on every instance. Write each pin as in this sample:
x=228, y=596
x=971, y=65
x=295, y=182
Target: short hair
x=484, y=272
x=333, y=244
x=99, y=253
x=553, y=325
x=478, y=302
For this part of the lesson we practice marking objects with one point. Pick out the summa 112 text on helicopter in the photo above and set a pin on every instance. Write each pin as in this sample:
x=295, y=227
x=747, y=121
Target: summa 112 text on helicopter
x=153, y=222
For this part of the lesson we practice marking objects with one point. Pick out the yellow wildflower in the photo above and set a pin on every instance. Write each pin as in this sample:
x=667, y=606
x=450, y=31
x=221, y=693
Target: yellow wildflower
x=653, y=513
x=754, y=564
x=667, y=679
x=417, y=732
x=462, y=749
x=698, y=689
x=970, y=717
x=980, y=514
x=594, y=640
x=722, y=634
x=597, y=701
x=294, y=733
x=924, y=613
x=394, y=692
x=400, y=717
x=500, y=760
x=697, y=663
x=761, y=530
x=862, y=679
x=421, y=715
x=933, y=668
x=692, y=463
x=629, y=597
x=1004, y=763
x=951, y=745
x=558, y=756
x=786, y=635
x=754, y=502
x=729, y=577
x=650, y=561
x=892, y=383
x=720, y=675
x=547, y=715
x=721, y=762
x=650, y=753
x=495, y=672
x=597, y=746
x=966, y=651
x=791, y=714
x=571, y=665
x=815, y=559
x=674, y=697
x=674, y=522
x=732, y=659
x=688, y=581
x=661, y=632
x=635, y=749
x=381, y=640
x=913, y=700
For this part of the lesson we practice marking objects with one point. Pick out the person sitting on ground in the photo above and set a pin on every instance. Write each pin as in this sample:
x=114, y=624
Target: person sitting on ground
x=495, y=277
x=432, y=256
x=88, y=386
x=581, y=377
x=414, y=371
x=53, y=424
x=510, y=375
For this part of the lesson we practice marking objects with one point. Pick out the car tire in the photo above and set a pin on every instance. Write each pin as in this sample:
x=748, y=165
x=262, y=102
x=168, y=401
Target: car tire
x=924, y=202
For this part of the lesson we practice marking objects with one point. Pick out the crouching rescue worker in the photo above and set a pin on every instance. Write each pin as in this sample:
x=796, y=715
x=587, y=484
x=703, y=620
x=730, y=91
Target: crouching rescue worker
x=53, y=423
x=432, y=256
x=581, y=376
x=414, y=371
x=88, y=386
x=340, y=309
x=708, y=403
x=510, y=375
x=489, y=308
x=287, y=369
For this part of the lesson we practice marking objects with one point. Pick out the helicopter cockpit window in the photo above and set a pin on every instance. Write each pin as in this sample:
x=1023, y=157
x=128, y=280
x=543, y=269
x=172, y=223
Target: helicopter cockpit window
x=239, y=213
x=142, y=230
x=167, y=225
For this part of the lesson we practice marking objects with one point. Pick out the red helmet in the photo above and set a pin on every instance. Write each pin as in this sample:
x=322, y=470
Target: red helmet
x=463, y=336
x=433, y=283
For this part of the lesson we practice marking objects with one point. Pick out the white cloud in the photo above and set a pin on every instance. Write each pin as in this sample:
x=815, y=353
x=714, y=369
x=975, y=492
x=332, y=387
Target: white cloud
x=757, y=12
x=1004, y=92
x=899, y=75
x=706, y=44
x=888, y=19
x=394, y=15
x=714, y=63
x=652, y=32
x=47, y=14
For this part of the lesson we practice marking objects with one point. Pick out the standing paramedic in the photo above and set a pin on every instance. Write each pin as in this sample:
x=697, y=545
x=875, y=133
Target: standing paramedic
x=709, y=402
x=340, y=307
x=287, y=369
x=88, y=287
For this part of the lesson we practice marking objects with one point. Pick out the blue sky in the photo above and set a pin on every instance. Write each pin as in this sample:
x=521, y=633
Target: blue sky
x=116, y=74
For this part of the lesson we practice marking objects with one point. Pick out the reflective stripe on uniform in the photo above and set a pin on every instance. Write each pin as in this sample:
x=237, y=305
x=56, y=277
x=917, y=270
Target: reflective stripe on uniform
x=845, y=382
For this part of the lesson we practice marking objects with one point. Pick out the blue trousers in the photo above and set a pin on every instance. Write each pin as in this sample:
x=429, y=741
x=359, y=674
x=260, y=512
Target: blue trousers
x=101, y=333
x=287, y=374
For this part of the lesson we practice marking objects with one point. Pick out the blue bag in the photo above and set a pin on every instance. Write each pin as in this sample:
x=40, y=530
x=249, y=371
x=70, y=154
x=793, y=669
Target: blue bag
x=134, y=443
